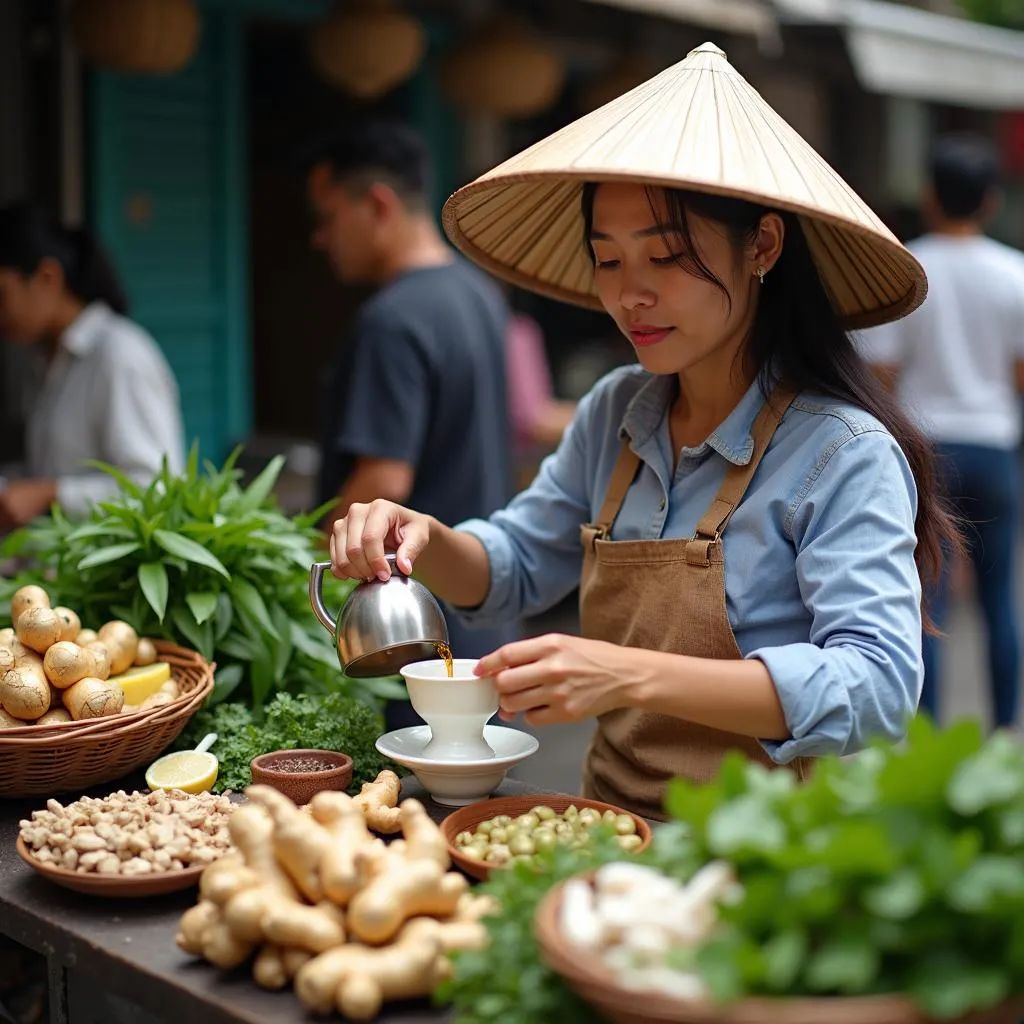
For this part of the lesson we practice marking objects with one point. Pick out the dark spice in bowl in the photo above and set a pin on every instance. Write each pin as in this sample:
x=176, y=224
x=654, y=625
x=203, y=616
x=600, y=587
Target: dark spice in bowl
x=303, y=764
x=301, y=774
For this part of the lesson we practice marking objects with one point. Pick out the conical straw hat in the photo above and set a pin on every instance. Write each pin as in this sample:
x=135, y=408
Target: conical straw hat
x=698, y=125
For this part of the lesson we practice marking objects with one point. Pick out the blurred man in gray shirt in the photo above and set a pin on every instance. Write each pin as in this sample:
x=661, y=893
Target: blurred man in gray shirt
x=415, y=407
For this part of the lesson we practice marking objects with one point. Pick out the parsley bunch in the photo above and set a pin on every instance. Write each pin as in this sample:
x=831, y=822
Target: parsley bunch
x=335, y=721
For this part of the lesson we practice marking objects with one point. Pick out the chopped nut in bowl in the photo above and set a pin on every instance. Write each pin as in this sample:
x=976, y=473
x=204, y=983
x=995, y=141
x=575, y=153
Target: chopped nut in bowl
x=127, y=844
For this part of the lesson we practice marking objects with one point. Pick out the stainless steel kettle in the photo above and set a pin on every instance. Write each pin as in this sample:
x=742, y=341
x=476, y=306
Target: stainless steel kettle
x=382, y=626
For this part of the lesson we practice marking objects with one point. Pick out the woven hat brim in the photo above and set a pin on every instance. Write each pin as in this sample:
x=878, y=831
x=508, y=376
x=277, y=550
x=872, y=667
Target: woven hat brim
x=697, y=126
x=869, y=281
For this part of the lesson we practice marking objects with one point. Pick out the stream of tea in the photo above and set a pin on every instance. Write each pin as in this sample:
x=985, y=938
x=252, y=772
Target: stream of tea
x=445, y=652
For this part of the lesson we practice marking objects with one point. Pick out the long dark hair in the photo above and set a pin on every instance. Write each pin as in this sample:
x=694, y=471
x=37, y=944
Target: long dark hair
x=798, y=337
x=29, y=235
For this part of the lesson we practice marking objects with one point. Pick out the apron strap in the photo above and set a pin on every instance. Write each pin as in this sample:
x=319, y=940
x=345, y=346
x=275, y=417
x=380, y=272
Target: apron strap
x=626, y=467
x=714, y=521
x=730, y=494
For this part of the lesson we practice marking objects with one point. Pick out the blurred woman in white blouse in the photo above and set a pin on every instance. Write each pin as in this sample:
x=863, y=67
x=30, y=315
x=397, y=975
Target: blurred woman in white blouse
x=107, y=392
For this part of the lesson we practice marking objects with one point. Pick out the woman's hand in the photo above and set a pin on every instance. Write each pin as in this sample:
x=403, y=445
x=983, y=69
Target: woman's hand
x=359, y=541
x=22, y=500
x=555, y=679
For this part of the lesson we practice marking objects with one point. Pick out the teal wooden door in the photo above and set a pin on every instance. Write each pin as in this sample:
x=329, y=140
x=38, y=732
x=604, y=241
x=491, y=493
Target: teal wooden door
x=167, y=188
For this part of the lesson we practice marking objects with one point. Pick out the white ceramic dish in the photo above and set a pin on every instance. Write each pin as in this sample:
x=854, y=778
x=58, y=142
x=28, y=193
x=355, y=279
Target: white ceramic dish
x=456, y=708
x=459, y=782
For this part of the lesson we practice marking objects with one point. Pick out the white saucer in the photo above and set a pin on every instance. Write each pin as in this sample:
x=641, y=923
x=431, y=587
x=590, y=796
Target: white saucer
x=458, y=783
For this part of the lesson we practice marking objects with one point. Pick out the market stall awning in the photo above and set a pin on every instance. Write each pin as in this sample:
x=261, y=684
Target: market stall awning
x=746, y=17
x=899, y=50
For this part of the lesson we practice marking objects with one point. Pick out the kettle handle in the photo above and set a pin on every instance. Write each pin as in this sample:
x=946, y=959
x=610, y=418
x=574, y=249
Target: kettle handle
x=316, y=589
x=316, y=595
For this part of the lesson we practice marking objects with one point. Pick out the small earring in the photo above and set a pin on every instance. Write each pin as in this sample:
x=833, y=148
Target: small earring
x=760, y=274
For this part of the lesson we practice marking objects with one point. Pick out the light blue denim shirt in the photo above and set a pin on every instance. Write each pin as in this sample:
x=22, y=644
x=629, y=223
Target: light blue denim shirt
x=820, y=578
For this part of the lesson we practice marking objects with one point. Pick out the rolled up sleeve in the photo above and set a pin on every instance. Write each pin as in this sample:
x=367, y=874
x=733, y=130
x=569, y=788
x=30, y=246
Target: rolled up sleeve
x=533, y=544
x=859, y=677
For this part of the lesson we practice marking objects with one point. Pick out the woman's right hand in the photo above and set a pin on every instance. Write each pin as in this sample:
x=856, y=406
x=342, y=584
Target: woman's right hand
x=361, y=539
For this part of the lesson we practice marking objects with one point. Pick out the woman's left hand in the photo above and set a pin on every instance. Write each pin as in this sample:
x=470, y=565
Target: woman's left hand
x=555, y=679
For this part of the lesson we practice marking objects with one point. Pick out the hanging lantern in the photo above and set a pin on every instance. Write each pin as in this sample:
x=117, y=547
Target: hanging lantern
x=147, y=37
x=504, y=70
x=368, y=47
x=629, y=72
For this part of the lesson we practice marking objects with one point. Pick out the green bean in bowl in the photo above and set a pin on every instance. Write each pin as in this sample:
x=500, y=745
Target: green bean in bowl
x=488, y=835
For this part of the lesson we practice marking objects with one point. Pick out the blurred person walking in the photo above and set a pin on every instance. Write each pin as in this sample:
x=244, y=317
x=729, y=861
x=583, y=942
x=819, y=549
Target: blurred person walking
x=416, y=404
x=107, y=393
x=538, y=418
x=957, y=364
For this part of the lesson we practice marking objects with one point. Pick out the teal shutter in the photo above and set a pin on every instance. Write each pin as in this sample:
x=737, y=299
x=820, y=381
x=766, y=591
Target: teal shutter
x=169, y=202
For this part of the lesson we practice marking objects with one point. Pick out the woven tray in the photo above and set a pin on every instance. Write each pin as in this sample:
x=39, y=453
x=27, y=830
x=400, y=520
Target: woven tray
x=73, y=756
x=587, y=974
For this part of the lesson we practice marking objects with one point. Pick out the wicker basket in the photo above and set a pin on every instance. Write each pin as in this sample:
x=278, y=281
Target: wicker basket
x=73, y=756
x=587, y=974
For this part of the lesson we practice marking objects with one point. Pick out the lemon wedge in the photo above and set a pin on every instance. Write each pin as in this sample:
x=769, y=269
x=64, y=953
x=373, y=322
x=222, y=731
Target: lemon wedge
x=192, y=771
x=142, y=681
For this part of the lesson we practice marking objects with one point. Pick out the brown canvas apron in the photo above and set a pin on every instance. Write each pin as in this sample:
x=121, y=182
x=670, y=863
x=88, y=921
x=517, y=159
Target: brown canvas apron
x=663, y=595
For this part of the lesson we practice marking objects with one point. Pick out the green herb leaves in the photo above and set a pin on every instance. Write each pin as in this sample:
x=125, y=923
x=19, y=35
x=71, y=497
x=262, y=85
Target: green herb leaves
x=335, y=721
x=198, y=559
x=898, y=870
x=901, y=870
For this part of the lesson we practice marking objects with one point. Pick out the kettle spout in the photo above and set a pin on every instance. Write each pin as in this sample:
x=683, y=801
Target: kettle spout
x=316, y=595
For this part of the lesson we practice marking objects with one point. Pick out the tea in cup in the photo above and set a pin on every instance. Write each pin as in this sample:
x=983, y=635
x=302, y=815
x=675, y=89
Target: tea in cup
x=456, y=707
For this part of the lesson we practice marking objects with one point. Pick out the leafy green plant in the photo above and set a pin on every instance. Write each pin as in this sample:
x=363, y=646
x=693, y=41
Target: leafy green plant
x=900, y=870
x=1004, y=13
x=198, y=559
x=334, y=721
x=508, y=983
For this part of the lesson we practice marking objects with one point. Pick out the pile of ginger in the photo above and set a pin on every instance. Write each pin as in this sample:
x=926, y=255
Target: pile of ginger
x=324, y=904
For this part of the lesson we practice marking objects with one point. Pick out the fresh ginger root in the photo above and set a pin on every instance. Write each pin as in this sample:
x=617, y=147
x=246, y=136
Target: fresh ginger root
x=463, y=930
x=357, y=980
x=299, y=840
x=423, y=839
x=378, y=800
x=203, y=932
x=268, y=969
x=344, y=821
x=274, y=967
x=252, y=832
x=295, y=925
x=403, y=889
x=325, y=904
x=249, y=899
x=193, y=925
x=226, y=877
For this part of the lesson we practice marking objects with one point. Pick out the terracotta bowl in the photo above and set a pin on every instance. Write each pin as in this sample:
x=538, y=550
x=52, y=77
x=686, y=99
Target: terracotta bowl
x=466, y=819
x=588, y=975
x=113, y=886
x=301, y=786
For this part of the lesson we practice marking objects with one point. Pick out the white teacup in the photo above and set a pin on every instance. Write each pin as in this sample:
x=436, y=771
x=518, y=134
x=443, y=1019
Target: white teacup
x=455, y=708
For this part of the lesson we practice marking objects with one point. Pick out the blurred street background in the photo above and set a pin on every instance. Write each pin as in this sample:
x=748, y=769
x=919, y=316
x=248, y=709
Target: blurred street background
x=176, y=136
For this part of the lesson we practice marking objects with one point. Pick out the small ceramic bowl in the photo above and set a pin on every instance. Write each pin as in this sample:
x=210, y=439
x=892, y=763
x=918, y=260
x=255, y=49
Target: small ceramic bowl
x=282, y=769
x=467, y=819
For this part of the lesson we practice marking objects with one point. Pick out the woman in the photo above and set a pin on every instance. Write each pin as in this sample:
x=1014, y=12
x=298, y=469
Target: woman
x=107, y=392
x=755, y=512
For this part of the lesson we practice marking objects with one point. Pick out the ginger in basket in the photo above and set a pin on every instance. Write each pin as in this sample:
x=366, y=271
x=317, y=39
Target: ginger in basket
x=47, y=651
